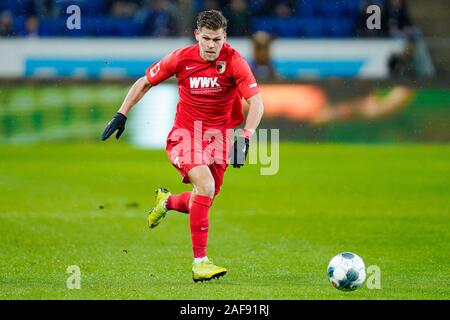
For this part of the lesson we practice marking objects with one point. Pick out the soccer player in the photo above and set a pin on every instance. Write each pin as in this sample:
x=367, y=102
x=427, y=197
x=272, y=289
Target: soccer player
x=212, y=80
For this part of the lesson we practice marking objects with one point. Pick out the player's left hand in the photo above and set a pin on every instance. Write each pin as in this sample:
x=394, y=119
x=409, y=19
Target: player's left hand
x=117, y=123
x=239, y=151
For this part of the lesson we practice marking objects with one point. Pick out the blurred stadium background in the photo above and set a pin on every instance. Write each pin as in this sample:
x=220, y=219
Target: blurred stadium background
x=325, y=77
x=324, y=74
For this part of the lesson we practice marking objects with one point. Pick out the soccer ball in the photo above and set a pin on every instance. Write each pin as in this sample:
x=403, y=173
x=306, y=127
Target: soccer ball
x=346, y=271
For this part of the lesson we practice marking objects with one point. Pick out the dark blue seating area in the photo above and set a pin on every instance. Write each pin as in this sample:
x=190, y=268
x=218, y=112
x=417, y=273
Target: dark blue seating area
x=91, y=27
x=309, y=19
x=315, y=19
x=328, y=8
x=298, y=27
x=96, y=8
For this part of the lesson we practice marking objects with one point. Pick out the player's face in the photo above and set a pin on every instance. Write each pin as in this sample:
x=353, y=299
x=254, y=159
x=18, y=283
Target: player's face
x=210, y=42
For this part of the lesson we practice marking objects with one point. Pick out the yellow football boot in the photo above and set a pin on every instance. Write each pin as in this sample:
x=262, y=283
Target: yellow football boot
x=159, y=211
x=206, y=270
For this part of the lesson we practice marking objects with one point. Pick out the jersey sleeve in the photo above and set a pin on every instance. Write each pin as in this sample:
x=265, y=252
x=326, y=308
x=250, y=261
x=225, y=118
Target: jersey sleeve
x=244, y=77
x=163, y=69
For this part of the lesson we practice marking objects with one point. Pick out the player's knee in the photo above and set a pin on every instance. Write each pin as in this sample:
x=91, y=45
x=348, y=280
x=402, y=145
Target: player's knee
x=206, y=188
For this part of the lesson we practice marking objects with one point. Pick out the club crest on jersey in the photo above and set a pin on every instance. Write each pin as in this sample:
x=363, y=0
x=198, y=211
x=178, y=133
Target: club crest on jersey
x=221, y=66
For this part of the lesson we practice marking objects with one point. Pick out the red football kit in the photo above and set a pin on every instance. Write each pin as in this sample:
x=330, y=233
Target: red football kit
x=210, y=102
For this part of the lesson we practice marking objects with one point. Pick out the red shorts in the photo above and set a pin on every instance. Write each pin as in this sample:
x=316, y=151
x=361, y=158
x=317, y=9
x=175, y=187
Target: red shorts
x=184, y=154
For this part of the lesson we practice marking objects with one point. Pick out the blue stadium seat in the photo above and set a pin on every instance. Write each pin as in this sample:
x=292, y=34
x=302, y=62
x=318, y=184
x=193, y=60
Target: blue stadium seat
x=287, y=27
x=51, y=27
x=90, y=27
x=16, y=7
x=263, y=24
x=99, y=26
x=329, y=18
x=258, y=7
x=126, y=27
x=308, y=8
x=351, y=7
x=19, y=25
x=57, y=27
x=88, y=8
x=331, y=8
x=198, y=5
x=314, y=28
x=279, y=27
x=341, y=27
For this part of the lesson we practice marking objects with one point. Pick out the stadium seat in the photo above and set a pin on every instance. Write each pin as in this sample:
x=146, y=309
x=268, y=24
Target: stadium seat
x=331, y=8
x=89, y=8
x=341, y=27
x=314, y=28
x=263, y=24
x=307, y=8
x=52, y=27
x=258, y=7
x=126, y=27
x=19, y=25
x=287, y=27
x=351, y=8
x=328, y=8
x=102, y=27
x=16, y=7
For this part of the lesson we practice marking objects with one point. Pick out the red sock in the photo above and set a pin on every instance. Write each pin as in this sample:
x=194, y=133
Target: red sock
x=179, y=202
x=199, y=224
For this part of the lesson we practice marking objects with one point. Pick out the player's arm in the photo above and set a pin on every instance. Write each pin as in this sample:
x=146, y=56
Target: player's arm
x=242, y=143
x=255, y=113
x=155, y=74
x=134, y=95
x=248, y=88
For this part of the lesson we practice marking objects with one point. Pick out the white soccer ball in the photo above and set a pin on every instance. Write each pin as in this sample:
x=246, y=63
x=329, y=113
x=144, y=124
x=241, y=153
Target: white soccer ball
x=346, y=271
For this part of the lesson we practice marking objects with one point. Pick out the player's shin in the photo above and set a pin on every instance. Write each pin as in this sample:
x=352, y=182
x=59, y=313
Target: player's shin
x=179, y=202
x=199, y=223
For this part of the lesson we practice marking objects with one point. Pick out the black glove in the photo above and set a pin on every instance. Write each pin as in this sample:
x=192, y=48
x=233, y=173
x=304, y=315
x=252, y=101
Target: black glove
x=117, y=123
x=239, y=152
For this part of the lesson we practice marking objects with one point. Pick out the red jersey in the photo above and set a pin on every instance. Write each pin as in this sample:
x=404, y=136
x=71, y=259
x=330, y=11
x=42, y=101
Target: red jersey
x=210, y=91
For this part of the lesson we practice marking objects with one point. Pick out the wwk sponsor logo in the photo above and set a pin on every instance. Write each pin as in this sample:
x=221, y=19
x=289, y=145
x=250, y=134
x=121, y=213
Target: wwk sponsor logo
x=203, y=82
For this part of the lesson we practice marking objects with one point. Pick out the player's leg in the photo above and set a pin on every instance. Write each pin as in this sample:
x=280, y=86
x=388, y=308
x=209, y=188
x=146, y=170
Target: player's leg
x=202, y=196
x=182, y=202
x=179, y=202
x=164, y=199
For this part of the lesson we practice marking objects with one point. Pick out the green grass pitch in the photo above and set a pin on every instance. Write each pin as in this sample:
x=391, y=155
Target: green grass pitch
x=86, y=205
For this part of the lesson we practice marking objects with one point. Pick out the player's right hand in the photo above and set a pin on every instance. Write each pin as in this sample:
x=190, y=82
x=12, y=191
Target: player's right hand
x=239, y=151
x=117, y=123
